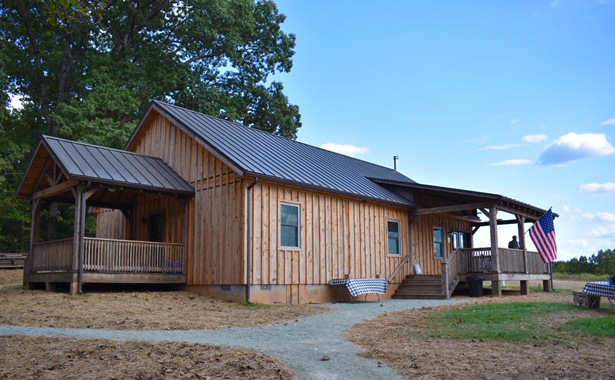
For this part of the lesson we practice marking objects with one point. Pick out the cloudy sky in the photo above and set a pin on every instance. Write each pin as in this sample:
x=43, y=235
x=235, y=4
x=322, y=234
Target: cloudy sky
x=515, y=98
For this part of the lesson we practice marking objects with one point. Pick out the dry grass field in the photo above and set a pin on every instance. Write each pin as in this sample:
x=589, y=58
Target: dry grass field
x=66, y=358
x=402, y=340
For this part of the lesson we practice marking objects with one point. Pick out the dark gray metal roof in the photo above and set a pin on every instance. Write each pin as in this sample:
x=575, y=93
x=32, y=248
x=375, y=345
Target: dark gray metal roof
x=262, y=154
x=100, y=164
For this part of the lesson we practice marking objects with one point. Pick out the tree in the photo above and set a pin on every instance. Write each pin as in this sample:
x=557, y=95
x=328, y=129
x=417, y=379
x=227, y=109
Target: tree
x=88, y=70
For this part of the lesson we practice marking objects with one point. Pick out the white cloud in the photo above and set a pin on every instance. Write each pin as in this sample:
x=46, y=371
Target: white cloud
x=606, y=217
x=590, y=188
x=511, y=162
x=609, y=122
x=514, y=121
x=534, y=139
x=572, y=147
x=346, y=149
x=500, y=147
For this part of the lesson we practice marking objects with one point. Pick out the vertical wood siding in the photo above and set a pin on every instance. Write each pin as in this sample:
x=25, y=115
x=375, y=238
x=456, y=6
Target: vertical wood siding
x=112, y=224
x=422, y=239
x=213, y=230
x=338, y=236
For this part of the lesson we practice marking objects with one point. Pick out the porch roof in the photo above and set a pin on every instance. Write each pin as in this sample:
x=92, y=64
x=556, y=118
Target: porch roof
x=98, y=165
x=471, y=198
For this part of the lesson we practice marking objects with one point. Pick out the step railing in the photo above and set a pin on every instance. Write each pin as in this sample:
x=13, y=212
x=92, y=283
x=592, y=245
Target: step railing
x=450, y=273
x=401, y=264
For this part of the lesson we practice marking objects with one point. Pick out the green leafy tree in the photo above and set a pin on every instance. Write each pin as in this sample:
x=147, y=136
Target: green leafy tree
x=88, y=70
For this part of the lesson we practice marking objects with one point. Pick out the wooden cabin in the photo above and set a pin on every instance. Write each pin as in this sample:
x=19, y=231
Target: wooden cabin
x=241, y=214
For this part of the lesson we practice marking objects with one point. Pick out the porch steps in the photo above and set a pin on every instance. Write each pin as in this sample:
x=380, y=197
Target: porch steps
x=421, y=287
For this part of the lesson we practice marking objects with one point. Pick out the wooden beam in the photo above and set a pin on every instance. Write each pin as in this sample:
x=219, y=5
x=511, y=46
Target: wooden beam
x=53, y=190
x=521, y=233
x=444, y=209
x=531, y=217
x=485, y=211
x=42, y=175
x=493, y=227
x=500, y=222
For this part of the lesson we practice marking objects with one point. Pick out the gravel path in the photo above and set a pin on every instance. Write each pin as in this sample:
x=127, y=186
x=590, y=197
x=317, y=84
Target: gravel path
x=301, y=345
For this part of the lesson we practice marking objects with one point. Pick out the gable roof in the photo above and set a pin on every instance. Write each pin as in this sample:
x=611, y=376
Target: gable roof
x=257, y=153
x=102, y=165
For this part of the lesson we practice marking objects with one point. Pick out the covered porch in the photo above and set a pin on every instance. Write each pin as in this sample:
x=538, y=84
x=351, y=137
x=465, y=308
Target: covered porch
x=86, y=175
x=461, y=260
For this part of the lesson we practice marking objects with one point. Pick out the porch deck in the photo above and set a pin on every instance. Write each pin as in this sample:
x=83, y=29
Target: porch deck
x=107, y=261
x=511, y=265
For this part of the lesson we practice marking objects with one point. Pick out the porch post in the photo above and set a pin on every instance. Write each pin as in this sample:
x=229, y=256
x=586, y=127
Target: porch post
x=74, y=285
x=35, y=230
x=496, y=285
x=521, y=233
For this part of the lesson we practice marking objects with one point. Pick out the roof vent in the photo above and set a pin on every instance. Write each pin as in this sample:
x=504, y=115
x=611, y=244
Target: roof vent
x=395, y=159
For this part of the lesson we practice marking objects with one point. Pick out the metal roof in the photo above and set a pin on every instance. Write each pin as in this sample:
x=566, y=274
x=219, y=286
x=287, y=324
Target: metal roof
x=102, y=165
x=262, y=154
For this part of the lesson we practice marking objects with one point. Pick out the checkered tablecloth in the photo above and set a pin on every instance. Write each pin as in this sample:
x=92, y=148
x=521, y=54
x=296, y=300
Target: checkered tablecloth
x=358, y=286
x=600, y=288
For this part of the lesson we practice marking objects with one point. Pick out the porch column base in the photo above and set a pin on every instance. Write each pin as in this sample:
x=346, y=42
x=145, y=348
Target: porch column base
x=525, y=290
x=547, y=286
x=74, y=288
x=496, y=288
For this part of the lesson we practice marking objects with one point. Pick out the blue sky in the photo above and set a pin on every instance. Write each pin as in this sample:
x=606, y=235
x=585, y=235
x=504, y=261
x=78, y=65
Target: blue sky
x=515, y=98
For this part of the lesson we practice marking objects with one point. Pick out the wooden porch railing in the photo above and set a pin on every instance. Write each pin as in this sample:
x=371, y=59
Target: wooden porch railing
x=478, y=260
x=113, y=255
x=51, y=256
x=450, y=272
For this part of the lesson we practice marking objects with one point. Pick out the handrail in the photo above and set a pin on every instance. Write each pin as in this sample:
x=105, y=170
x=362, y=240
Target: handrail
x=134, y=241
x=404, y=261
x=450, y=274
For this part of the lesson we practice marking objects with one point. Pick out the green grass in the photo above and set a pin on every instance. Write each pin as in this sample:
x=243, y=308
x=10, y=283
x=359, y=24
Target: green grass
x=11, y=287
x=580, y=277
x=509, y=321
x=602, y=326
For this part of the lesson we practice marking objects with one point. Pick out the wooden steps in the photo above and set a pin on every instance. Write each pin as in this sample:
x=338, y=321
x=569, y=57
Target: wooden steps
x=421, y=287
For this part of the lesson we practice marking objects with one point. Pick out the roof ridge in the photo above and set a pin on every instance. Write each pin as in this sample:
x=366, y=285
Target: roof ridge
x=99, y=146
x=281, y=137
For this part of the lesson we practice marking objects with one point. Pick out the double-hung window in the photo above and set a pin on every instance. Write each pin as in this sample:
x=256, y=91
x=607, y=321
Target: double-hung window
x=289, y=225
x=393, y=231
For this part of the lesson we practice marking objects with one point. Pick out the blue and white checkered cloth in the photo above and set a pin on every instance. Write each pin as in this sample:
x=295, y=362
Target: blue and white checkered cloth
x=358, y=286
x=600, y=288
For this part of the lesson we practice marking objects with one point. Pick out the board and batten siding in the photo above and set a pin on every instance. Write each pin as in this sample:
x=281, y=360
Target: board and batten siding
x=422, y=239
x=213, y=230
x=338, y=236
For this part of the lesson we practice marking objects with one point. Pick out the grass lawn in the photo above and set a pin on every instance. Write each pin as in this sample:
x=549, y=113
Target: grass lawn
x=586, y=277
x=520, y=321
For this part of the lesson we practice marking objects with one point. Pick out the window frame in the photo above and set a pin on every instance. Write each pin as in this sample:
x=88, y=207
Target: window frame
x=433, y=235
x=398, y=238
x=298, y=207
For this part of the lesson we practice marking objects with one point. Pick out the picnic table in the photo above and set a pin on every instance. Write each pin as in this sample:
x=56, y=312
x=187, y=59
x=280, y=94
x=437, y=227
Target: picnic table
x=358, y=286
x=601, y=289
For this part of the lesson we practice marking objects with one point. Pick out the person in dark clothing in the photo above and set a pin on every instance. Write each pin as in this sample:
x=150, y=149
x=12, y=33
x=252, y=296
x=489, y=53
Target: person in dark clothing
x=514, y=244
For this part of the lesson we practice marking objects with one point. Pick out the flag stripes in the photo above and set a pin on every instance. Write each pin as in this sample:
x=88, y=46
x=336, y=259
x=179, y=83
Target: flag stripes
x=542, y=234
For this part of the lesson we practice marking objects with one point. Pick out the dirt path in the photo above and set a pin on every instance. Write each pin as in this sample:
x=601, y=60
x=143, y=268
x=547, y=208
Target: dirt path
x=300, y=344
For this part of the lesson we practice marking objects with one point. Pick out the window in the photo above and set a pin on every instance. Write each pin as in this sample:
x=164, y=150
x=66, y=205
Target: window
x=155, y=227
x=289, y=228
x=393, y=227
x=438, y=246
x=461, y=240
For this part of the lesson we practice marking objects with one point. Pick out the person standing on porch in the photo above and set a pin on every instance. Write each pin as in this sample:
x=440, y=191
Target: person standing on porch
x=514, y=244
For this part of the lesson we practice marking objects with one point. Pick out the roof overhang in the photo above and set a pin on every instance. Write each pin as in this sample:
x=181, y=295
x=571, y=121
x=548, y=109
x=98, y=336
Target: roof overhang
x=468, y=200
x=51, y=174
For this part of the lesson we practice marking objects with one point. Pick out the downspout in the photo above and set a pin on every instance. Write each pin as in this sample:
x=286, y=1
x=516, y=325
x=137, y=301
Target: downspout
x=248, y=240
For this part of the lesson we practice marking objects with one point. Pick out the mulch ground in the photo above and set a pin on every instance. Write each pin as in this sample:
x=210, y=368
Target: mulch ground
x=137, y=310
x=399, y=340
x=66, y=358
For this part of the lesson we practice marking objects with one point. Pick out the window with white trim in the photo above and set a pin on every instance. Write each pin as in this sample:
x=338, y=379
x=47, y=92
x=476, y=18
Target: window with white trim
x=289, y=225
x=393, y=233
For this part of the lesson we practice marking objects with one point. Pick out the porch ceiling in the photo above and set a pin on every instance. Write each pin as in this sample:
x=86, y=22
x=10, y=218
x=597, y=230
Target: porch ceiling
x=118, y=175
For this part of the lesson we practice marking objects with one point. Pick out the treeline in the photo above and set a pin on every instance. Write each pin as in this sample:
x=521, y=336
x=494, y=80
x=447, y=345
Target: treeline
x=88, y=70
x=601, y=263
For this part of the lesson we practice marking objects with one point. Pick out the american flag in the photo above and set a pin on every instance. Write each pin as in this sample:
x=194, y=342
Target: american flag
x=543, y=236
